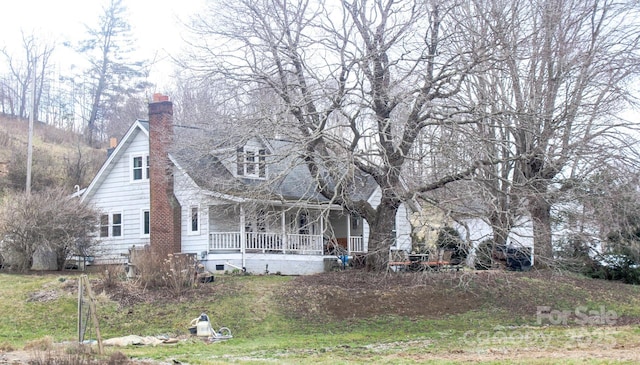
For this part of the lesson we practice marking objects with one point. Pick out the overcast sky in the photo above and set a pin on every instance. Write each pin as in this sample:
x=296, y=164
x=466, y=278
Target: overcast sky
x=155, y=23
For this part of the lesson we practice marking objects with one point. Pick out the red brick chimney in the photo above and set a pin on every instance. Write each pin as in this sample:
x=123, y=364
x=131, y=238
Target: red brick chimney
x=165, y=235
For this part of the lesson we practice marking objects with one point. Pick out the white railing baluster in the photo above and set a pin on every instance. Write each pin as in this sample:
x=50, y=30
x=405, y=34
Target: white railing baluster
x=267, y=242
x=356, y=244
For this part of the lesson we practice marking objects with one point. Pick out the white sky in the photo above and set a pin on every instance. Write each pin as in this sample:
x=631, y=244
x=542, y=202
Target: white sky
x=155, y=24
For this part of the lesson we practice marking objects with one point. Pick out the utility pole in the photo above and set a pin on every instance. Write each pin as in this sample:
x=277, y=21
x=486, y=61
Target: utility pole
x=31, y=120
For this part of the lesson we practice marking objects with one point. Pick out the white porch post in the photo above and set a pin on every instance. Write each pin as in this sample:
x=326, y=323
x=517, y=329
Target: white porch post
x=349, y=234
x=243, y=237
x=283, y=224
x=321, y=233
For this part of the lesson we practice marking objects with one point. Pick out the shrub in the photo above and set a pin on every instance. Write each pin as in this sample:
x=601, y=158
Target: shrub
x=112, y=275
x=621, y=261
x=175, y=272
x=449, y=240
x=572, y=254
x=47, y=220
x=43, y=344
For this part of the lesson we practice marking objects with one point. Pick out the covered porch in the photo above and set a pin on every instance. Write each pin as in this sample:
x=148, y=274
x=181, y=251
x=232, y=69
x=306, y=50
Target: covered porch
x=284, y=230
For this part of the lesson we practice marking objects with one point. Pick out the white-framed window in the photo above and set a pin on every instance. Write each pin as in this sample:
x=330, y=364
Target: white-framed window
x=111, y=225
x=139, y=167
x=194, y=220
x=355, y=221
x=251, y=162
x=145, y=223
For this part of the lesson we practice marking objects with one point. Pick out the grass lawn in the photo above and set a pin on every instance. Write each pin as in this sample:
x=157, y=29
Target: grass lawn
x=344, y=318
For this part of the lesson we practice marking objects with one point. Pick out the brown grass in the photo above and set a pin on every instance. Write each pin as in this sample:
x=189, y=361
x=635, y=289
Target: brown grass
x=361, y=294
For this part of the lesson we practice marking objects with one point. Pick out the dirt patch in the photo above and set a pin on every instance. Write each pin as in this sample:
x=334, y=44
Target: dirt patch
x=360, y=294
x=130, y=293
x=341, y=296
x=43, y=296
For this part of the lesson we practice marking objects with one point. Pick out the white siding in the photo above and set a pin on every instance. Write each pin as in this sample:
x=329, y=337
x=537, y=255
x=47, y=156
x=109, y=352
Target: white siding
x=374, y=199
x=403, y=226
x=118, y=194
x=403, y=229
x=365, y=235
x=479, y=230
x=189, y=195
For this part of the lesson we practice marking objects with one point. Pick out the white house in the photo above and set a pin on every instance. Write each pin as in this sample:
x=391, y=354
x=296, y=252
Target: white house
x=188, y=188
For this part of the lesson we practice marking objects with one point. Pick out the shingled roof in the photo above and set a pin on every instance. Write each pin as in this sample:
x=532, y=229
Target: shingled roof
x=209, y=158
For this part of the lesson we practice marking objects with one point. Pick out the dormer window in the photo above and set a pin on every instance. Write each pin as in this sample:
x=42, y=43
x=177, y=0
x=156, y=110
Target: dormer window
x=251, y=162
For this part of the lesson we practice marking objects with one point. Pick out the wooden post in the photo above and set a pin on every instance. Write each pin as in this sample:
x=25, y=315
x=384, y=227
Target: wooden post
x=80, y=290
x=94, y=314
x=283, y=228
x=349, y=218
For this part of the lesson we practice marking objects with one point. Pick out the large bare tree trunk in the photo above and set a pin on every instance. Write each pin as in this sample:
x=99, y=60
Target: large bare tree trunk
x=382, y=235
x=540, y=210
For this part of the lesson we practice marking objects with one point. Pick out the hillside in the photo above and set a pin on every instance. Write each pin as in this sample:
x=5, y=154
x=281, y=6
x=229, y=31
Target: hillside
x=60, y=158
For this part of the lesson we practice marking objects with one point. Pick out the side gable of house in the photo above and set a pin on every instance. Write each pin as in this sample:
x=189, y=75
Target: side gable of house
x=120, y=191
x=134, y=143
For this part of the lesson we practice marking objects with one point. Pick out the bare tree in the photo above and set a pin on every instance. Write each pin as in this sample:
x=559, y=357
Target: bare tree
x=6, y=100
x=358, y=81
x=22, y=70
x=550, y=103
x=80, y=165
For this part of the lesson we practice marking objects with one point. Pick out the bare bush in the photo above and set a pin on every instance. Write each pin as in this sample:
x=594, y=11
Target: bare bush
x=174, y=272
x=61, y=357
x=42, y=344
x=112, y=275
x=48, y=220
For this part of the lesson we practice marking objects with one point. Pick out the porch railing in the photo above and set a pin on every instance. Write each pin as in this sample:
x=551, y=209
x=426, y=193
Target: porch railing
x=356, y=244
x=305, y=244
x=224, y=241
x=263, y=241
x=273, y=242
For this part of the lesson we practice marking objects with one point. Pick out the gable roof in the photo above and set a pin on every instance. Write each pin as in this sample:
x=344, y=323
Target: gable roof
x=139, y=126
x=209, y=158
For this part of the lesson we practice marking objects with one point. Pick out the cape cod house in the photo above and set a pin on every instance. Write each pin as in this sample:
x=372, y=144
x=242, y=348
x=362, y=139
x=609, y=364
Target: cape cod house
x=236, y=203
